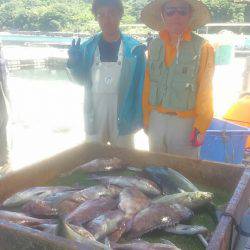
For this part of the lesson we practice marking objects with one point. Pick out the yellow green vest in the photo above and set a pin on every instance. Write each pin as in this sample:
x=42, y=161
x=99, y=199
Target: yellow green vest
x=175, y=87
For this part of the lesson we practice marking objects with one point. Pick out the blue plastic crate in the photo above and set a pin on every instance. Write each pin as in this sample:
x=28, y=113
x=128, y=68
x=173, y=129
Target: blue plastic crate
x=224, y=142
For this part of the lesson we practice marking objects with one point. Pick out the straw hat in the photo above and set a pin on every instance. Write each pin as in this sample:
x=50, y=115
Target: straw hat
x=151, y=14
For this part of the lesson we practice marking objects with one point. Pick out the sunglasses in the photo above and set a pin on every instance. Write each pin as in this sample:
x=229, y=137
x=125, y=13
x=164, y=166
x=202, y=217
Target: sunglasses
x=171, y=11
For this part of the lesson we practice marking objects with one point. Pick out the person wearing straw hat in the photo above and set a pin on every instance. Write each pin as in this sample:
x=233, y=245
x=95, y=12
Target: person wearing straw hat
x=177, y=95
x=111, y=66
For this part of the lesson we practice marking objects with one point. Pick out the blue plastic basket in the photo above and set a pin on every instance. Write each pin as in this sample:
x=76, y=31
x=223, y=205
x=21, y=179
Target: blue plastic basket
x=224, y=142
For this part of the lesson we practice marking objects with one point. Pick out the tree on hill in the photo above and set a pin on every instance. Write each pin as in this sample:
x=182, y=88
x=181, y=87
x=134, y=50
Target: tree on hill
x=75, y=15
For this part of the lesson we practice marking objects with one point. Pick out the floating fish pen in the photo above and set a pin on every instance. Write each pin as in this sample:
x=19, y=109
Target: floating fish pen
x=24, y=64
x=50, y=34
x=232, y=180
x=56, y=63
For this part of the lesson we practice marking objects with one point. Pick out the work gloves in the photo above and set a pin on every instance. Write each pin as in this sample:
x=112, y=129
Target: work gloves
x=196, y=138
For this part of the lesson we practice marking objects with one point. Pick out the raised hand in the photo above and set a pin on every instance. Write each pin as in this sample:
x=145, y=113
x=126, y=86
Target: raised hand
x=74, y=51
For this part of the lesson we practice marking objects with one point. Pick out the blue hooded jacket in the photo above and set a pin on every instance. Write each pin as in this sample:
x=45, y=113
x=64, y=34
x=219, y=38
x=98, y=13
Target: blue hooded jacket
x=129, y=110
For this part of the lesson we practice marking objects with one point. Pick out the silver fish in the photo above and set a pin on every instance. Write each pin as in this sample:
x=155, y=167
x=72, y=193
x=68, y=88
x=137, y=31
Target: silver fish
x=192, y=200
x=91, y=209
x=33, y=193
x=52, y=205
x=21, y=237
x=170, y=180
x=157, y=215
x=101, y=165
x=142, y=184
x=95, y=192
x=22, y=219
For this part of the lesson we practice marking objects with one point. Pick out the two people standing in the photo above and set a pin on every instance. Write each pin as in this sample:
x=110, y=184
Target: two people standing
x=176, y=96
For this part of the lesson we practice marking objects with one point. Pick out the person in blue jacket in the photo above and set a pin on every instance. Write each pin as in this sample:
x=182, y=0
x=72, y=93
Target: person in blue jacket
x=110, y=65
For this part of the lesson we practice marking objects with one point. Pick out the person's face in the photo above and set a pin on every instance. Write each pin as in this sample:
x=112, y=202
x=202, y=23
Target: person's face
x=176, y=15
x=108, y=18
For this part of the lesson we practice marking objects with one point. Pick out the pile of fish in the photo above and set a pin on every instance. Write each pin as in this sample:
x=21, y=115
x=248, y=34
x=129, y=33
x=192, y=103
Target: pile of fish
x=116, y=212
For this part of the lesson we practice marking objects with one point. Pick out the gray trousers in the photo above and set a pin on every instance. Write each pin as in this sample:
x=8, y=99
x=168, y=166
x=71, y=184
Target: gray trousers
x=3, y=143
x=105, y=109
x=170, y=134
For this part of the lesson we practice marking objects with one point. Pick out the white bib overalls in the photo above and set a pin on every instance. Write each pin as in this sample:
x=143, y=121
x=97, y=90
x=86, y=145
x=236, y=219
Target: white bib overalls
x=105, y=85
